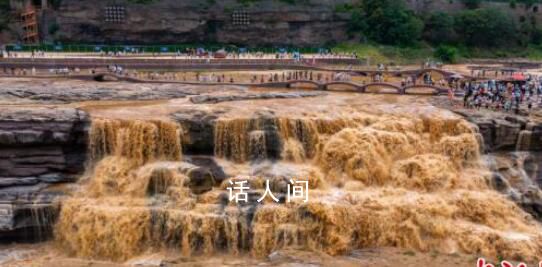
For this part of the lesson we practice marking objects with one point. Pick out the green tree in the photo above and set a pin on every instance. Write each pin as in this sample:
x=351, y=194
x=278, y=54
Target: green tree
x=357, y=21
x=486, y=28
x=471, y=3
x=439, y=28
x=447, y=54
x=55, y=3
x=53, y=28
x=530, y=3
x=387, y=21
x=4, y=14
x=536, y=36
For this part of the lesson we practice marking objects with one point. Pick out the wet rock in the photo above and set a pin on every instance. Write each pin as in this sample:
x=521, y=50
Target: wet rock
x=506, y=133
x=281, y=175
x=24, y=171
x=273, y=140
x=5, y=182
x=213, y=99
x=209, y=164
x=38, y=146
x=67, y=92
x=522, y=121
x=257, y=145
x=277, y=256
x=498, y=134
x=23, y=193
x=500, y=183
x=517, y=175
x=530, y=139
x=56, y=178
x=199, y=130
x=200, y=179
x=261, y=131
x=27, y=212
x=16, y=254
x=531, y=202
x=295, y=258
x=20, y=93
x=27, y=221
x=42, y=142
x=106, y=78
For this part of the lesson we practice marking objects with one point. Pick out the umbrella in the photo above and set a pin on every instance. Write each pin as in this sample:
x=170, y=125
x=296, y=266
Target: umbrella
x=518, y=77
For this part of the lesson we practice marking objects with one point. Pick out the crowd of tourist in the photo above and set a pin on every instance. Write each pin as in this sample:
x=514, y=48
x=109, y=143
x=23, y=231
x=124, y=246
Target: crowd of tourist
x=268, y=77
x=186, y=54
x=503, y=95
x=482, y=73
x=506, y=93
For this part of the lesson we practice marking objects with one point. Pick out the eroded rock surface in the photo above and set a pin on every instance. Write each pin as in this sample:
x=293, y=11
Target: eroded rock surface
x=199, y=129
x=519, y=176
x=38, y=147
x=507, y=132
x=64, y=91
x=269, y=22
x=206, y=99
x=200, y=136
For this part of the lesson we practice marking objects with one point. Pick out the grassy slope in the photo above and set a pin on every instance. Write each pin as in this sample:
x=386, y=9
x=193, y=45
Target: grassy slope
x=419, y=53
x=387, y=54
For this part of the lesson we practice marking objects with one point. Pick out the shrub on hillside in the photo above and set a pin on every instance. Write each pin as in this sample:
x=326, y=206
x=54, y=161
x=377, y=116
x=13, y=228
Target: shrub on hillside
x=472, y=4
x=439, y=28
x=387, y=22
x=486, y=28
x=448, y=54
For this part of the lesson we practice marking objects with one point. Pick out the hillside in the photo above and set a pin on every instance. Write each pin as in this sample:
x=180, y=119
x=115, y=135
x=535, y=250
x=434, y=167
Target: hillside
x=415, y=28
x=195, y=21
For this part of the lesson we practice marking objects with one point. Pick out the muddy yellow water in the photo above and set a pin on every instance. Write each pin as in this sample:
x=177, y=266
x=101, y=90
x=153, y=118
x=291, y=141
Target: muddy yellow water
x=384, y=171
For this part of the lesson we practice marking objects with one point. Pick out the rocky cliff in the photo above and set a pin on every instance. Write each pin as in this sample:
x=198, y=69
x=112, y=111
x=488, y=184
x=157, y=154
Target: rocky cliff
x=254, y=22
x=39, y=147
x=518, y=176
x=507, y=133
x=265, y=22
x=512, y=146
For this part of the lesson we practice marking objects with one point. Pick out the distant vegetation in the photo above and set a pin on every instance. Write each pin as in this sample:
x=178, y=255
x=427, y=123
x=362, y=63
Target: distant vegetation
x=391, y=23
x=386, y=22
x=4, y=14
x=472, y=3
x=291, y=2
x=142, y=1
x=388, y=54
x=378, y=53
x=55, y=3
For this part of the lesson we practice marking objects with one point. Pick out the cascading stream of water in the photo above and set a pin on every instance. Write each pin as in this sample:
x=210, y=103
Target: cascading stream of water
x=411, y=181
